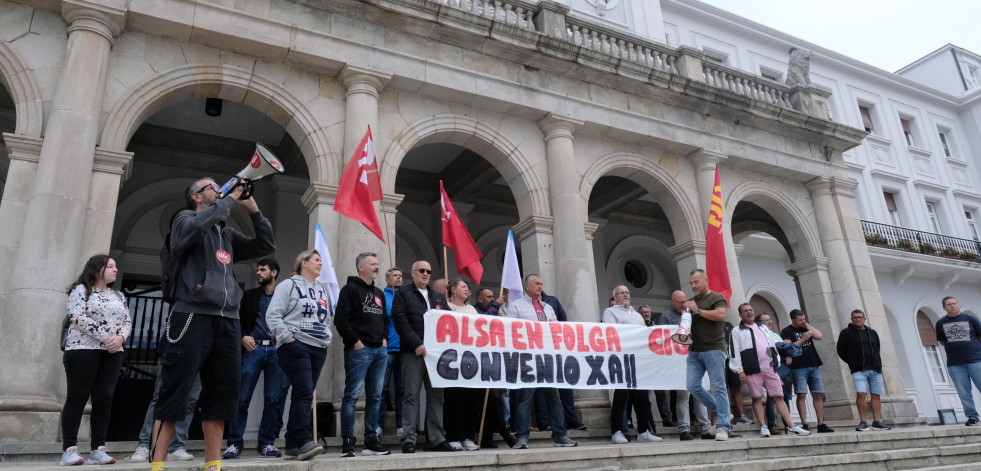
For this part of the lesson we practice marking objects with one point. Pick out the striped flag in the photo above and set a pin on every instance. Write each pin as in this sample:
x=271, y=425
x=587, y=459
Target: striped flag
x=511, y=274
x=327, y=275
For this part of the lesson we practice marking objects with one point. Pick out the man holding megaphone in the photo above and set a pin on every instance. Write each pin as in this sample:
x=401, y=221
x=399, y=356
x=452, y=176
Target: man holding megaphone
x=263, y=163
x=202, y=331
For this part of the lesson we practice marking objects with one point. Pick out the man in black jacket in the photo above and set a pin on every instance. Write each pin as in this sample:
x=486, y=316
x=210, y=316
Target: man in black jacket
x=408, y=308
x=203, y=330
x=858, y=345
x=362, y=322
x=259, y=357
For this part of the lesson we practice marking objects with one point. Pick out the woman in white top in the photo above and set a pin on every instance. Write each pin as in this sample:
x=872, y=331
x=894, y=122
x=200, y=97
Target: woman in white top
x=93, y=356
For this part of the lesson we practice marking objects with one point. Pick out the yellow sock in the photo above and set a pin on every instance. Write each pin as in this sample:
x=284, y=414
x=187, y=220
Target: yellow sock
x=157, y=466
x=212, y=466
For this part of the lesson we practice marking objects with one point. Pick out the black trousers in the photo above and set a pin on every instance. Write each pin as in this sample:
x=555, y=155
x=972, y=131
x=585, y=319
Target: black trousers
x=641, y=405
x=90, y=373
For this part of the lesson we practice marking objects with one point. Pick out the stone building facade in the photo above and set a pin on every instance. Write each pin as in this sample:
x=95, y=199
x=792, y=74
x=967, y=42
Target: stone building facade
x=581, y=125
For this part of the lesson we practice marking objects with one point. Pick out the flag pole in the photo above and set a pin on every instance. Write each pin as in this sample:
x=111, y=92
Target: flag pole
x=483, y=415
x=315, y=438
x=446, y=266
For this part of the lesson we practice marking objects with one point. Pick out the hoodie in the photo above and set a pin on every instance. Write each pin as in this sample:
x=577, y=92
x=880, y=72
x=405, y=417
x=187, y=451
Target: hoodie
x=361, y=314
x=299, y=309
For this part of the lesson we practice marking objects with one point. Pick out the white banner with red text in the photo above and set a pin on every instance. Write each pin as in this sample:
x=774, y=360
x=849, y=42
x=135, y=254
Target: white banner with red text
x=480, y=351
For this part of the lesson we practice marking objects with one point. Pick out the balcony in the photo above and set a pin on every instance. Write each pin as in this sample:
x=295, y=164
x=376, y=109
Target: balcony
x=926, y=243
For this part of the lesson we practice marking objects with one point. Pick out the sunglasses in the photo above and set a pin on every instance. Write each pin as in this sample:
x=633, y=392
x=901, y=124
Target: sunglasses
x=214, y=187
x=423, y=270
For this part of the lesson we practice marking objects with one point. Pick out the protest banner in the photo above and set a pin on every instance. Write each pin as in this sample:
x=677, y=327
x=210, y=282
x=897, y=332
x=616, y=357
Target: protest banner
x=480, y=351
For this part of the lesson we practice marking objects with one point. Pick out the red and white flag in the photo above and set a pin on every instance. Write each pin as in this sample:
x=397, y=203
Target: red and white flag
x=360, y=187
x=716, y=267
x=456, y=236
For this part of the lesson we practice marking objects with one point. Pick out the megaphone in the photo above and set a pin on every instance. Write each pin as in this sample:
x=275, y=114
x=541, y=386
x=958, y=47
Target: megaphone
x=683, y=334
x=263, y=163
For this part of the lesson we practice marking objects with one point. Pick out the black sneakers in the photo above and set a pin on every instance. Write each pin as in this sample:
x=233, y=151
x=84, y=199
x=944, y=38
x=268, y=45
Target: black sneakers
x=347, y=447
x=373, y=447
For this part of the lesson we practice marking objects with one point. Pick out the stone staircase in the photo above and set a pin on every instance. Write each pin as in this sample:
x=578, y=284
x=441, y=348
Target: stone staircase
x=918, y=447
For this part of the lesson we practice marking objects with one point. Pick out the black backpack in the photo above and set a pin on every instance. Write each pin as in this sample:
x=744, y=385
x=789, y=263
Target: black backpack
x=170, y=268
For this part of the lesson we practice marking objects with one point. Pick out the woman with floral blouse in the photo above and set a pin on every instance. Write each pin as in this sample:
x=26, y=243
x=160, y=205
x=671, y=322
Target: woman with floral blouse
x=93, y=357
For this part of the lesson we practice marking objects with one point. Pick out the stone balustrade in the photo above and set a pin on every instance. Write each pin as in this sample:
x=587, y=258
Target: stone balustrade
x=648, y=54
x=744, y=84
x=513, y=13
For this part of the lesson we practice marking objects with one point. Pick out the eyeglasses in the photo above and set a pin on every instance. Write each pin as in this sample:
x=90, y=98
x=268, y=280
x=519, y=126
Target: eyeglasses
x=214, y=187
x=423, y=270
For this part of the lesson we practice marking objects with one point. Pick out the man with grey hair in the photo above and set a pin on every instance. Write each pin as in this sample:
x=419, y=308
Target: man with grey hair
x=362, y=321
x=672, y=317
x=531, y=307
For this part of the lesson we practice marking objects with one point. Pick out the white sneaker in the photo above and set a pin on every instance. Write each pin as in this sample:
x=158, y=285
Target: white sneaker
x=99, y=456
x=141, y=455
x=648, y=437
x=721, y=435
x=456, y=446
x=400, y=432
x=180, y=454
x=618, y=438
x=798, y=430
x=469, y=445
x=71, y=457
x=764, y=431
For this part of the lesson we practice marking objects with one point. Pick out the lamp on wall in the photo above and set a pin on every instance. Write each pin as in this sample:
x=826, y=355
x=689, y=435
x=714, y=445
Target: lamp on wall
x=212, y=106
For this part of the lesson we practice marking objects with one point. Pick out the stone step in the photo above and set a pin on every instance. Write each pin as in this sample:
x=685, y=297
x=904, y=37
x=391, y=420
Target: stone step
x=909, y=448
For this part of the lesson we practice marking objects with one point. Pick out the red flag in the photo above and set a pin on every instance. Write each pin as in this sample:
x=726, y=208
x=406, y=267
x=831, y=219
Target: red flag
x=456, y=236
x=360, y=187
x=715, y=249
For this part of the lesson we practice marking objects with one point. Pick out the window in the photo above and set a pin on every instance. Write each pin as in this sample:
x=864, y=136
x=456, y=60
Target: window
x=944, y=142
x=928, y=338
x=771, y=74
x=907, y=130
x=972, y=223
x=891, y=208
x=718, y=57
x=934, y=217
x=866, y=112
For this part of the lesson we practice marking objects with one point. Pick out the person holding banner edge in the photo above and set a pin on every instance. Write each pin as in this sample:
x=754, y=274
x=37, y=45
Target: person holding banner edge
x=707, y=353
x=623, y=313
x=531, y=307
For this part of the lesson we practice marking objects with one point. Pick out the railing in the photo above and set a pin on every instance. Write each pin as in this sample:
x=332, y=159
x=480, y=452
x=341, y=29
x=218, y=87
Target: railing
x=148, y=314
x=608, y=42
x=747, y=85
x=511, y=13
x=928, y=243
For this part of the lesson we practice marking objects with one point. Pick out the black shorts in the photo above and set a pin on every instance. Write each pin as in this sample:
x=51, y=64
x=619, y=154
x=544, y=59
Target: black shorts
x=212, y=348
x=732, y=379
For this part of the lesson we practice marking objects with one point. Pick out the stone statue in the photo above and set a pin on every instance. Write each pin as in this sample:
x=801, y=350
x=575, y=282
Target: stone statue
x=798, y=72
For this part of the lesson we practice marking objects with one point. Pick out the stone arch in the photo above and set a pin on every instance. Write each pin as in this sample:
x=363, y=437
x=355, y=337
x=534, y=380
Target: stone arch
x=529, y=189
x=800, y=231
x=20, y=83
x=416, y=240
x=229, y=83
x=775, y=297
x=658, y=181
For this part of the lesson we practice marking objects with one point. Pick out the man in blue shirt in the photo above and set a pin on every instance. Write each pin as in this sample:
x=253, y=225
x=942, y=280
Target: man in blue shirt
x=959, y=334
x=393, y=281
x=259, y=357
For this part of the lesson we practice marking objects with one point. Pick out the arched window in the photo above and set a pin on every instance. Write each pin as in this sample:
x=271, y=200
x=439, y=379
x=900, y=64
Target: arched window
x=928, y=338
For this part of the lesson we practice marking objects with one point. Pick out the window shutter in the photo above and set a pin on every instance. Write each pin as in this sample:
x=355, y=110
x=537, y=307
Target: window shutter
x=928, y=336
x=866, y=117
x=905, y=124
x=890, y=201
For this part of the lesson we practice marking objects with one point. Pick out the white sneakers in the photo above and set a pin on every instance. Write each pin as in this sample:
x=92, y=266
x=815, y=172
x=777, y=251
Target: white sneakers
x=798, y=430
x=721, y=435
x=141, y=455
x=648, y=437
x=469, y=445
x=71, y=457
x=456, y=446
x=179, y=454
x=99, y=456
x=764, y=431
x=618, y=438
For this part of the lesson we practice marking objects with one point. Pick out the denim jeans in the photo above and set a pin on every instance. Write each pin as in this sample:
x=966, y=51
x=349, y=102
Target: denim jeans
x=712, y=362
x=569, y=407
x=261, y=360
x=523, y=399
x=962, y=376
x=179, y=438
x=302, y=364
x=363, y=368
x=393, y=369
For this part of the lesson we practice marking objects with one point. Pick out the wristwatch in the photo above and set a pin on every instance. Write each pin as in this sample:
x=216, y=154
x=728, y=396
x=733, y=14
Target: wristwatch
x=699, y=311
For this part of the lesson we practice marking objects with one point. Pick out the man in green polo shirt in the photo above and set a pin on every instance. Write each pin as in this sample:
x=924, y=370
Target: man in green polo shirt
x=707, y=353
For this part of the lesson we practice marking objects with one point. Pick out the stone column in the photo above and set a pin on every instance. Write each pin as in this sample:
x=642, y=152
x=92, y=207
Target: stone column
x=389, y=210
x=24, y=153
x=361, y=111
x=705, y=163
x=575, y=278
x=853, y=284
x=108, y=173
x=534, y=234
x=689, y=256
x=52, y=233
